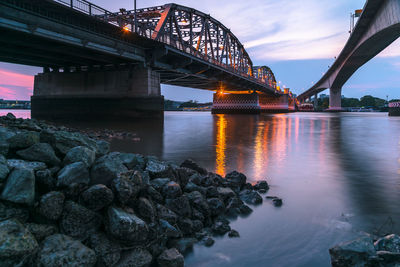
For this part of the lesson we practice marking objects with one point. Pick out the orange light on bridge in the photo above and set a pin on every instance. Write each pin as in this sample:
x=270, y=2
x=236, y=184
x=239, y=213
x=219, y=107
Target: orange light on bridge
x=125, y=28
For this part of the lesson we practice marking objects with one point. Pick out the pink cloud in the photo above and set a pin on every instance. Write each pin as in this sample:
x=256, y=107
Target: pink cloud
x=6, y=93
x=15, y=85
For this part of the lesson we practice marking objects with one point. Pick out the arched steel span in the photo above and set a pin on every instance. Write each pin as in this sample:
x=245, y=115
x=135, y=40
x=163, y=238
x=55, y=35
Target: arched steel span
x=192, y=32
x=265, y=74
x=377, y=28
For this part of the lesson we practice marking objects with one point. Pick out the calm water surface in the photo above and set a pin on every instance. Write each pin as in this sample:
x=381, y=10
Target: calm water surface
x=338, y=174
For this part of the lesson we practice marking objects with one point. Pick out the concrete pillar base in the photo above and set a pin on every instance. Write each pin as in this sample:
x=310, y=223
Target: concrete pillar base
x=394, y=109
x=96, y=108
x=274, y=104
x=235, y=104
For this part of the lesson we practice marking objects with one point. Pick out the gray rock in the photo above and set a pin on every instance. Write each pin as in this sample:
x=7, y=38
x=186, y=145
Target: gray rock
x=235, y=180
x=137, y=257
x=216, y=206
x=20, y=187
x=51, y=205
x=277, y=202
x=183, y=175
x=171, y=190
x=133, y=161
x=4, y=171
x=24, y=140
x=154, y=194
x=4, y=147
x=207, y=241
x=180, y=206
x=10, y=116
x=41, y=231
x=225, y=192
x=212, y=192
x=103, y=147
x=189, y=163
x=146, y=209
x=245, y=210
x=166, y=214
x=19, y=163
x=233, y=206
x=159, y=183
x=97, y=197
x=191, y=187
x=183, y=244
x=78, y=221
x=233, y=233
x=73, y=173
x=61, y=250
x=80, y=153
x=45, y=181
x=168, y=230
x=63, y=141
x=198, y=202
x=107, y=251
x=389, y=243
x=186, y=226
x=126, y=226
x=18, y=245
x=107, y=168
x=11, y=211
x=171, y=258
x=250, y=197
x=221, y=227
x=42, y=152
x=124, y=189
x=158, y=169
x=3, y=160
x=261, y=185
x=353, y=253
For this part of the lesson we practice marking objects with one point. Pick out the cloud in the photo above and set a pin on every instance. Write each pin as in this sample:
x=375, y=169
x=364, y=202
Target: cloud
x=15, y=85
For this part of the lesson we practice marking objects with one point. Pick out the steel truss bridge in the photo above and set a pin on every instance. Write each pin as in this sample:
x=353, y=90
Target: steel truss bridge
x=187, y=47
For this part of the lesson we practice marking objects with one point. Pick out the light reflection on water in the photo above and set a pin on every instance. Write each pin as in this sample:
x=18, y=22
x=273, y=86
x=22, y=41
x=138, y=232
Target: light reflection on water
x=338, y=175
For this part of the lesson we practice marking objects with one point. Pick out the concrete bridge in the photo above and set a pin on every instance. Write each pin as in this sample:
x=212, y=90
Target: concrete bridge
x=377, y=28
x=99, y=63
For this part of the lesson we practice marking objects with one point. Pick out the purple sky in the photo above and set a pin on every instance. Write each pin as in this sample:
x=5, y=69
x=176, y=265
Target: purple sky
x=297, y=39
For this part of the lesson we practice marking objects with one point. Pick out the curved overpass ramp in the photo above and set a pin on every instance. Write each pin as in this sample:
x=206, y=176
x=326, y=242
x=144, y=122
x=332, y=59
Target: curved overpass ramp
x=377, y=28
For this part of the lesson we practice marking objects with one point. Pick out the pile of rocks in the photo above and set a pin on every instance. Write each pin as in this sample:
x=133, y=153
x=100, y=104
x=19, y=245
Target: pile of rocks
x=367, y=251
x=66, y=200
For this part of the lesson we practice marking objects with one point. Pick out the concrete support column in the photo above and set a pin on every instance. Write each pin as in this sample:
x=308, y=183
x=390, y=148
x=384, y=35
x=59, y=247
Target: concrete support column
x=315, y=101
x=235, y=104
x=98, y=94
x=335, y=99
x=394, y=109
x=275, y=104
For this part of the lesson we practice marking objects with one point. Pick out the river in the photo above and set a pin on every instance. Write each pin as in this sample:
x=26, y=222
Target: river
x=338, y=175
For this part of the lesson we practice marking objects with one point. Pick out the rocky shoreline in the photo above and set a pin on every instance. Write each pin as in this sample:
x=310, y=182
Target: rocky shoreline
x=67, y=201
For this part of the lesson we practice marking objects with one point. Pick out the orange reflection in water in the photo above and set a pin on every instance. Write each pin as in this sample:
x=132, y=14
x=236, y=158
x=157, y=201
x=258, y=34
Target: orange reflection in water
x=258, y=152
x=221, y=145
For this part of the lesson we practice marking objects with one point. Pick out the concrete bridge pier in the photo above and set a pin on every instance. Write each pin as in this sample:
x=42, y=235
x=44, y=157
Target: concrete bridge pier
x=394, y=109
x=315, y=101
x=98, y=94
x=276, y=104
x=335, y=99
x=235, y=103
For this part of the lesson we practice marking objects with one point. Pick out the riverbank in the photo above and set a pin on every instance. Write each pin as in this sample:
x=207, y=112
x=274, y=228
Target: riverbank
x=65, y=199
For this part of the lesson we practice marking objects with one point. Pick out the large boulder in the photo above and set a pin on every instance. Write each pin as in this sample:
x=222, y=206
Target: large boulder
x=171, y=190
x=124, y=189
x=17, y=244
x=78, y=221
x=42, y=152
x=80, y=153
x=250, y=197
x=216, y=206
x=171, y=258
x=51, y=205
x=32, y=165
x=189, y=163
x=12, y=211
x=74, y=173
x=235, y=180
x=133, y=161
x=107, y=251
x=41, y=231
x=225, y=192
x=389, y=243
x=63, y=141
x=97, y=197
x=145, y=209
x=23, y=140
x=107, y=168
x=158, y=169
x=20, y=187
x=137, y=257
x=168, y=230
x=180, y=206
x=198, y=201
x=61, y=250
x=126, y=226
x=353, y=253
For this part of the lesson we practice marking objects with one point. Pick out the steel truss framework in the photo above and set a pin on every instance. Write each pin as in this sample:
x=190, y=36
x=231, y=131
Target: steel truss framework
x=195, y=33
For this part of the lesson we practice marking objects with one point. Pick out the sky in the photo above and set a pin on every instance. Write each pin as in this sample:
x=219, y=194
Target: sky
x=298, y=40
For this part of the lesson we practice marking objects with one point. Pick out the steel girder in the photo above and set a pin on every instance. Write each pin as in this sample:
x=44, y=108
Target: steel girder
x=265, y=74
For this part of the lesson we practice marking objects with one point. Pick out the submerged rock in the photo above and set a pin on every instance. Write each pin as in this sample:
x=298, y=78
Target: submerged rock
x=354, y=253
x=389, y=243
x=62, y=250
x=250, y=197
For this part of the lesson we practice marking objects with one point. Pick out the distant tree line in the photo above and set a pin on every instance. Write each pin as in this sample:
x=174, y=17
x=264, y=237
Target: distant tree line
x=365, y=101
x=194, y=104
